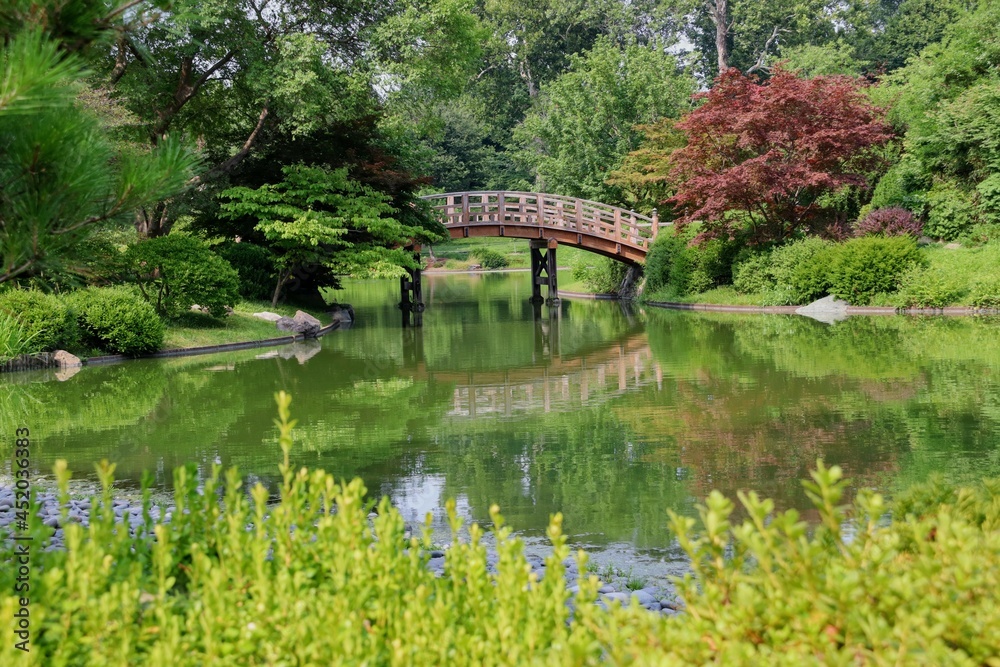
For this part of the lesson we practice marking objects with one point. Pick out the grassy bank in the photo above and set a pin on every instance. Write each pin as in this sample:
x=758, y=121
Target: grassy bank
x=891, y=272
x=197, y=329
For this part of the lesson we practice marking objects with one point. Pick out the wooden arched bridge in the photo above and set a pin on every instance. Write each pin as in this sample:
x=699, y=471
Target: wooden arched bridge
x=547, y=221
x=606, y=230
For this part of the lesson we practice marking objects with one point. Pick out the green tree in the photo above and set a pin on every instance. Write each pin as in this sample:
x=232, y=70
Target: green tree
x=948, y=101
x=747, y=34
x=584, y=122
x=887, y=33
x=320, y=219
x=233, y=74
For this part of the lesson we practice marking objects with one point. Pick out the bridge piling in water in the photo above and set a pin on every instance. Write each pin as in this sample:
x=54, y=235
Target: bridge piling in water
x=543, y=271
x=412, y=294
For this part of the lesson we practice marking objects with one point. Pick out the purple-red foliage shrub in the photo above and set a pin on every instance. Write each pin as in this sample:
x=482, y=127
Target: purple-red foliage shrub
x=891, y=221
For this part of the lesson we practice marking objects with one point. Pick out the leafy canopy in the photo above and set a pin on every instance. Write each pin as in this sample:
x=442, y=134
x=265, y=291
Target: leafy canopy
x=319, y=218
x=583, y=124
x=177, y=271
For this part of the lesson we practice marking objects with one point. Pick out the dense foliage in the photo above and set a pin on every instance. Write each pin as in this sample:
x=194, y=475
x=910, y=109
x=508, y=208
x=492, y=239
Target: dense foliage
x=865, y=267
x=582, y=125
x=46, y=321
x=63, y=173
x=117, y=320
x=315, y=579
x=255, y=266
x=177, y=271
x=790, y=274
x=319, y=219
x=677, y=266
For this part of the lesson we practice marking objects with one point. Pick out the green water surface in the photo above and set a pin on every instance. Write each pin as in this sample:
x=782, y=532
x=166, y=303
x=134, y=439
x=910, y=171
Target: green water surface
x=609, y=413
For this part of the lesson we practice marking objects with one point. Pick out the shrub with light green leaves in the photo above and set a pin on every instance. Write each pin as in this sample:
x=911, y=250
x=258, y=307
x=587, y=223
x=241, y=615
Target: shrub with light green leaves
x=178, y=271
x=864, y=267
x=46, y=320
x=490, y=259
x=117, y=320
x=601, y=275
x=313, y=580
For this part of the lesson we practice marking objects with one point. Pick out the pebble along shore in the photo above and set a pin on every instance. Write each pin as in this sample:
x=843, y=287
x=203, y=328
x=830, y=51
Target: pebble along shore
x=130, y=512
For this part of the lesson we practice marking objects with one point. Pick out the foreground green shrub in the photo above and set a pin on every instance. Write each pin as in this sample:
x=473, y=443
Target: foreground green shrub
x=45, y=319
x=255, y=266
x=315, y=581
x=177, y=271
x=864, y=267
x=117, y=320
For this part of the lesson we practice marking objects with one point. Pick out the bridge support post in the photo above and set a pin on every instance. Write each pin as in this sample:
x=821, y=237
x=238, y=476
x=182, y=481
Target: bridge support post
x=412, y=294
x=543, y=271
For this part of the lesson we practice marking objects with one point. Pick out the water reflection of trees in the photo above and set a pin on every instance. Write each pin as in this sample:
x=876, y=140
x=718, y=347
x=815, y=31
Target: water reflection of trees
x=757, y=399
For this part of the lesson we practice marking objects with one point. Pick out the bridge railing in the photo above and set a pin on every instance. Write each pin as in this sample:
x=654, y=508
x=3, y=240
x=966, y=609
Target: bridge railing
x=543, y=210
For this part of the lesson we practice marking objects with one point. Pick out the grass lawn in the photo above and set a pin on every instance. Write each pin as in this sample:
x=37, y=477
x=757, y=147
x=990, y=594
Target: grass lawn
x=198, y=329
x=457, y=253
x=724, y=295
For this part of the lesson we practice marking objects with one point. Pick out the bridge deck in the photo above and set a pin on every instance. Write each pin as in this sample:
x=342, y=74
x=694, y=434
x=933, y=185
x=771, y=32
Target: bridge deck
x=607, y=230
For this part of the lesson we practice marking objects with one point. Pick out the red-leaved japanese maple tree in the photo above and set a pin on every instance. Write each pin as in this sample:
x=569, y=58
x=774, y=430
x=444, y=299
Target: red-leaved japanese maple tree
x=761, y=155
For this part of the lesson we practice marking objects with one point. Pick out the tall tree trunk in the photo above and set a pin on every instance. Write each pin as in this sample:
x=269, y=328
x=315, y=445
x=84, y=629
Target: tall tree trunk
x=153, y=221
x=720, y=17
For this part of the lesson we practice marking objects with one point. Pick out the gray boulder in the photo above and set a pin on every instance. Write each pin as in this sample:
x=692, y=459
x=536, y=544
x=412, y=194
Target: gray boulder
x=66, y=360
x=302, y=323
x=309, y=321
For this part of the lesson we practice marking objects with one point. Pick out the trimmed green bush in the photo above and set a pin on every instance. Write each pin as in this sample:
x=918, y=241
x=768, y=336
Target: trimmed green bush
x=864, y=267
x=752, y=273
x=315, y=581
x=490, y=259
x=255, y=266
x=177, y=271
x=46, y=320
x=117, y=320
x=14, y=339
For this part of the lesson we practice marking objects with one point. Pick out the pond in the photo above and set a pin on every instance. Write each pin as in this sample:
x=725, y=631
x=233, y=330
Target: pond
x=607, y=412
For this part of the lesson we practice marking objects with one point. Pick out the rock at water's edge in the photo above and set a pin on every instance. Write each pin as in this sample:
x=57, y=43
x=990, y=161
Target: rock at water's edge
x=66, y=360
x=829, y=309
x=312, y=325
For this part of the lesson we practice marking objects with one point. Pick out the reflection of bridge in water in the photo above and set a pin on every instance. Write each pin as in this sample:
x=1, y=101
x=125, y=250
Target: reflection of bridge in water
x=585, y=378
